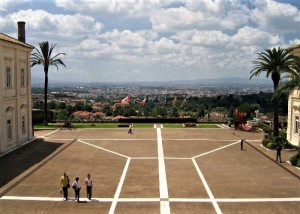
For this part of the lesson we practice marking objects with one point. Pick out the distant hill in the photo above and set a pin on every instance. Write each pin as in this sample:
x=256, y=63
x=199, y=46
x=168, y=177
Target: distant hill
x=220, y=82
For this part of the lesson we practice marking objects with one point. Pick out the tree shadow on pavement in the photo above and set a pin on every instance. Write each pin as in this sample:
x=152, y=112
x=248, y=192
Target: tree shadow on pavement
x=18, y=161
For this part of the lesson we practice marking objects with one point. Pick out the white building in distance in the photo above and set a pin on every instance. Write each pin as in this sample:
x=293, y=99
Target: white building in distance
x=293, y=125
x=15, y=93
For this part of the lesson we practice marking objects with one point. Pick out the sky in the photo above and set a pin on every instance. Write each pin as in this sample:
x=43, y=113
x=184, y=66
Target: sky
x=153, y=40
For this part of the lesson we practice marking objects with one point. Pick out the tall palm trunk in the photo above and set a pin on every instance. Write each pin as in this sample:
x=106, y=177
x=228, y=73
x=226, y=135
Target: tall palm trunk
x=276, y=120
x=46, y=99
x=276, y=79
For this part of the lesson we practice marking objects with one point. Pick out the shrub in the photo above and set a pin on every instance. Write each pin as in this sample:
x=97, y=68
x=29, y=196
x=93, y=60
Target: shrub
x=189, y=125
x=282, y=133
x=298, y=154
x=298, y=163
x=265, y=142
x=280, y=140
x=264, y=127
x=271, y=145
x=294, y=160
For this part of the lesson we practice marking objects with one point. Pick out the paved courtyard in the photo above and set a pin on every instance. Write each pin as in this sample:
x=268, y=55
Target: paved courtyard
x=153, y=170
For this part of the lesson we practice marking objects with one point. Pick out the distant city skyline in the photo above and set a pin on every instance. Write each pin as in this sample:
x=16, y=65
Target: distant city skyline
x=167, y=40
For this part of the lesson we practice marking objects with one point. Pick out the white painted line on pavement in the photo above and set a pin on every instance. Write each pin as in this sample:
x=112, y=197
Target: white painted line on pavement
x=257, y=199
x=205, y=200
x=98, y=147
x=211, y=196
x=118, y=191
x=50, y=133
x=216, y=149
x=139, y=200
x=121, y=139
x=27, y=198
x=163, y=186
x=174, y=158
x=144, y=158
x=198, y=139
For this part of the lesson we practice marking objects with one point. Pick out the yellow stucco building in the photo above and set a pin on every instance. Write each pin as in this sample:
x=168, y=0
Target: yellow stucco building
x=15, y=93
x=293, y=125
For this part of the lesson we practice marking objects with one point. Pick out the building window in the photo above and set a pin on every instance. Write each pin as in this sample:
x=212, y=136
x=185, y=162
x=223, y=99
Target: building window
x=296, y=131
x=8, y=78
x=9, y=131
x=22, y=77
x=23, y=125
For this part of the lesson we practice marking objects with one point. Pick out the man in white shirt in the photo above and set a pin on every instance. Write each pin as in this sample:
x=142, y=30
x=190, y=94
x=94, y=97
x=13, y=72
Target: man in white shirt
x=89, y=184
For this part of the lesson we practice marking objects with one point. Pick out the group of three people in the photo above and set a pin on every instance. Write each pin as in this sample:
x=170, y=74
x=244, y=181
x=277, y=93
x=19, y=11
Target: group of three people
x=65, y=184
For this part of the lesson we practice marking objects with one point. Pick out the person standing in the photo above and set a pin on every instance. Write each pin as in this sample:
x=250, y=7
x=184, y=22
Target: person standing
x=278, y=153
x=242, y=144
x=89, y=184
x=76, y=186
x=65, y=184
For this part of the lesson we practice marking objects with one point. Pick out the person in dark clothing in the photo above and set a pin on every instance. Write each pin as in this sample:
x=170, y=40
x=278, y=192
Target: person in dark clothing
x=278, y=153
x=76, y=186
x=242, y=144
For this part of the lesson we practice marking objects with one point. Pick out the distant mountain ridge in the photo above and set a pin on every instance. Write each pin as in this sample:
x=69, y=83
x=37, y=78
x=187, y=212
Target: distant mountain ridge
x=226, y=82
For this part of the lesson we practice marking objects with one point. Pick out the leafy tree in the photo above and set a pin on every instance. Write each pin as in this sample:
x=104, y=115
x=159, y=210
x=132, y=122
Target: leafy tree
x=174, y=112
x=108, y=112
x=201, y=112
x=248, y=108
x=293, y=80
x=44, y=57
x=52, y=104
x=274, y=62
x=61, y=105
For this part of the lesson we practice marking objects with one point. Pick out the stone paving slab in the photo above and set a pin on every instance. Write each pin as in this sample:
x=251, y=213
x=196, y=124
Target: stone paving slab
x=183, y=180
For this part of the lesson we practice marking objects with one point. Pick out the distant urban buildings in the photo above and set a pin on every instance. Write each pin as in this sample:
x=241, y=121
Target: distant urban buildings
x=15, y=93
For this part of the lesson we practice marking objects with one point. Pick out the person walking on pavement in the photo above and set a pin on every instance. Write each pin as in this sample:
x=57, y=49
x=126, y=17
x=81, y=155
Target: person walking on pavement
x=65, y=184
x=76, y=186
x=130, y=129
x=278, y=153
x=89, y=184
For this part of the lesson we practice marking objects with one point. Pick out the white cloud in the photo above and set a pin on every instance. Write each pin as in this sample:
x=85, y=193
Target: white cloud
x=202, y=38
x=40, y=22
x=276, y=17
x=252, y=36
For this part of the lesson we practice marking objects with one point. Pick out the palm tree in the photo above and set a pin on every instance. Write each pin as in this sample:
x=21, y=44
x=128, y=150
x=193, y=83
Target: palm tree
x=293, y=80
x=274, y=62
x=44, y=58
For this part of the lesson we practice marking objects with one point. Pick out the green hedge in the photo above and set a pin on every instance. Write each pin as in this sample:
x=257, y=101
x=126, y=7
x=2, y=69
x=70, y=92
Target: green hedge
x=265, y=142
x=266, y=128
x=295, y=159
x=271, y=145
